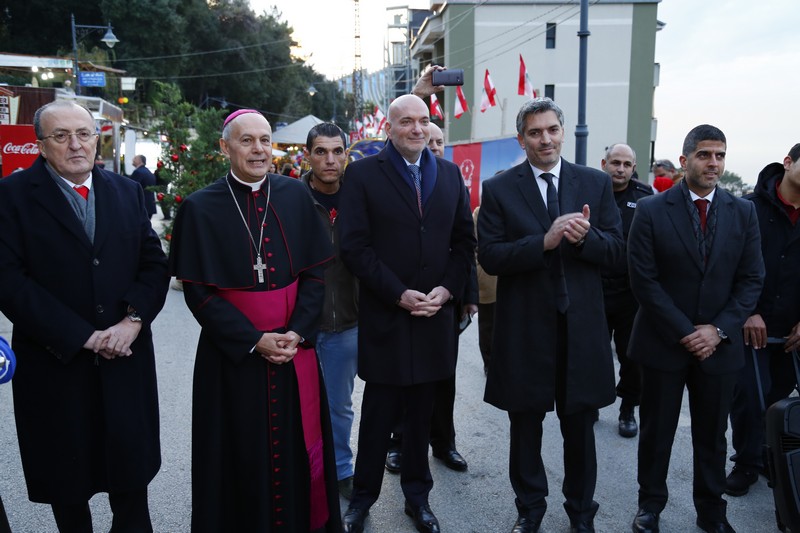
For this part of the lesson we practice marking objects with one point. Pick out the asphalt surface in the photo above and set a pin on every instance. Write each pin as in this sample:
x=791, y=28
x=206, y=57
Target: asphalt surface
x=480, y=500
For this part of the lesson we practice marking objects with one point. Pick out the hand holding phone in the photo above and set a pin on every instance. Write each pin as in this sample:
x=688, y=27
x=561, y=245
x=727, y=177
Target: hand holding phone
x=453, y=76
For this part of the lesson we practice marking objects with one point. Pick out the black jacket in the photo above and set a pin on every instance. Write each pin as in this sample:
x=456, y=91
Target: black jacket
x=779, y=304
x=340, y=311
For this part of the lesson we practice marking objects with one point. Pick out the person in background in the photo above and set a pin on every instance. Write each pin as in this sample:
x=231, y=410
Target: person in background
x=337, y=340
x=487, y=296
x=85, y=394
x=777, y=315
x=664, y=174
x=620, y=164
x=146, y=179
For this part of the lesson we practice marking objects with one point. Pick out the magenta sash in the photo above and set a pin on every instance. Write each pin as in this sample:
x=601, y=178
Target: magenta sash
x=270, y=310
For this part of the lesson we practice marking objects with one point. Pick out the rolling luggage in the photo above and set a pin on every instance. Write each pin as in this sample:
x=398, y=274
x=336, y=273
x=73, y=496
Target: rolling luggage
x=783, y=455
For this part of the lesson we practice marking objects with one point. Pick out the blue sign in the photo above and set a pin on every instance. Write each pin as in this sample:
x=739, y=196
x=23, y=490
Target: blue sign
x=92, y=79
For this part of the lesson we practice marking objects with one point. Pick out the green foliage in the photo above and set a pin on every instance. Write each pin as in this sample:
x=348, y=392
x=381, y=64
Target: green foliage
x=190, y=157
x=734, y=183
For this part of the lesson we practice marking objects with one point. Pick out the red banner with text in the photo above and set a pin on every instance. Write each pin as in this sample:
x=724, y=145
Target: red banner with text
x=19, y=149
x=468, y=159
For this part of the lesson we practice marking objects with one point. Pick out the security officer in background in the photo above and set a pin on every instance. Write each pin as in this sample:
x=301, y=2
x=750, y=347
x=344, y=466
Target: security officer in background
x=620, y=164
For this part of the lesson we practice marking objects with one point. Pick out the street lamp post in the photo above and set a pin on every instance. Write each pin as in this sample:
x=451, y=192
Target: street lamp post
x=109, y=38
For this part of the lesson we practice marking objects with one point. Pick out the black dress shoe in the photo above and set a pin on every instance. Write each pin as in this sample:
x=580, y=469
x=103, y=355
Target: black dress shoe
x=393, y=461
x=527, y=525
x=710, y=526
x=645, y=522
x=353, y=520
x=627, y=424
x=739, y=480
x=451, y=459
x=424, y=519
x=581, y=527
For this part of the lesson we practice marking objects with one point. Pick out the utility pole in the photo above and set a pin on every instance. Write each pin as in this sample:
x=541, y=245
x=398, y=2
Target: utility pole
x=581, y=129
x=358, y=90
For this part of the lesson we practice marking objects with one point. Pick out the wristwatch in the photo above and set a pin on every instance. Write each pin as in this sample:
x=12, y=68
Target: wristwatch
x=133, y=316
x=722, y=335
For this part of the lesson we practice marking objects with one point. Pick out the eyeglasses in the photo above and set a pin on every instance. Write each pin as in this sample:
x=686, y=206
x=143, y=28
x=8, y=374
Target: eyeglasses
x=63, y=136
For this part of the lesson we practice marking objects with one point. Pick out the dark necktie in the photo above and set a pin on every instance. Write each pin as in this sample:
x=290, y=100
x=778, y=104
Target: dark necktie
x=702, y=210
x=552, y=196
x=416, y=175
x=562, y=297
x=83, y=190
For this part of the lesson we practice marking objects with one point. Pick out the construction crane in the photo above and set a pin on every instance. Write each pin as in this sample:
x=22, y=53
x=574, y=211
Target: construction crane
x=358, y=90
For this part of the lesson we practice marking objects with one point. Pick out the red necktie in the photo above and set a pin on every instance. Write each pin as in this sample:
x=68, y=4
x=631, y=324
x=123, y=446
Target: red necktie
x=702, y=210
x=83, y=190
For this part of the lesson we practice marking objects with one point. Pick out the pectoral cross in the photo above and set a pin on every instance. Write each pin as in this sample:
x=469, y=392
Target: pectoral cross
x=260, y=267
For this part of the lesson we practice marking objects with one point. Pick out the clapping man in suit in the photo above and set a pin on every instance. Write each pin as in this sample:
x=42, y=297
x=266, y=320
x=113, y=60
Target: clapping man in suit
x=406, y=233
x=694, y=258
x=546, y=228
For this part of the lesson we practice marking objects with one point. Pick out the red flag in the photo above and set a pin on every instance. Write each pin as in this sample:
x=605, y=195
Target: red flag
x=380, y=120
x=436, y=109
x=489, y=93
x=525, y=84
x=461, y=102
x=359, y=129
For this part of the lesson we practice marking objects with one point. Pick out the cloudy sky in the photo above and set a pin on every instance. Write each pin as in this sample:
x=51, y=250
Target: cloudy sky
x=734, y=64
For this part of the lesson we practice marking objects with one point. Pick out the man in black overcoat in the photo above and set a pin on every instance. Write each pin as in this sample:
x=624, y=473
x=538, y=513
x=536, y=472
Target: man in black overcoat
x=146, y=179
x=82, y=276
x=694, y=258
x=406, y=233
x=551, y=344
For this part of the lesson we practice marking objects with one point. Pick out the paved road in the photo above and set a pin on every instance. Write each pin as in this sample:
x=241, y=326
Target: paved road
x=479, y=500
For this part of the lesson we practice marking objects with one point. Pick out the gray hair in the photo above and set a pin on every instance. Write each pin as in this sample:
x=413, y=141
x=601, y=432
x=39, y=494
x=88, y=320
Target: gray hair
x=37, y=117
x=537, y=105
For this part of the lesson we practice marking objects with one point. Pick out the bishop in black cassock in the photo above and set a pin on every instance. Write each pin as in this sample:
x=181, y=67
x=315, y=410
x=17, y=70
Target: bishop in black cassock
x=262, y=454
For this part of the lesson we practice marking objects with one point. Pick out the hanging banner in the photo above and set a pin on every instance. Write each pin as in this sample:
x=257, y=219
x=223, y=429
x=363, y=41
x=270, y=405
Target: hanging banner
x=19, y=149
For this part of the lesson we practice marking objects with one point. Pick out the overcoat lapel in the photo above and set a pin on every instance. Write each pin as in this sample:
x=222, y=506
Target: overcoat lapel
x=676, y=212
x=49, y=195
x=568, y=190
x=530, y=192
x=398, y=182
x=723, y=226
x=104, y=207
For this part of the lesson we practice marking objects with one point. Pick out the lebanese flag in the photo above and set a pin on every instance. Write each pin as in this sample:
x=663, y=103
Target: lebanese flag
x=380, y=120
x=360, y=129
x=525, y=84
x=436, y=109
x=489, y=93
x=461, y=102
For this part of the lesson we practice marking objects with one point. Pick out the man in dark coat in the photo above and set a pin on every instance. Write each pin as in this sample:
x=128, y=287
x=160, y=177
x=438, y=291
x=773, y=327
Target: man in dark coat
x=82, y=276
x=694, y=259
x=620, y=164
x=777, y=315
x=406, y=233
x=551, y=343
x=251, y=252
x=146, y=179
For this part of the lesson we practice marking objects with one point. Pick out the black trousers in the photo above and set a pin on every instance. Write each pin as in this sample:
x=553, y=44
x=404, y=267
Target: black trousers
x=778, y=380
x=526, y=468
x=130, y=511
x=4, y=527
x=381, y=407
x=709, y=404
x=620, y=311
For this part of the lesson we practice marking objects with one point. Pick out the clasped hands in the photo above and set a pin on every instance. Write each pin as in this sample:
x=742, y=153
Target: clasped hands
x=424, y=305
x=571, y=226
x=278, y=348
x=702, y=342
x=116, y=340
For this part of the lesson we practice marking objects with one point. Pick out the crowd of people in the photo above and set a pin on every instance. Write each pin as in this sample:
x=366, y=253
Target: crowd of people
x=373, y=269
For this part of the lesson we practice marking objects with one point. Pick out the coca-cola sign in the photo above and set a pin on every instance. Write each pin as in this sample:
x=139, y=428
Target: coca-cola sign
x=26, y=148
x=18, y=145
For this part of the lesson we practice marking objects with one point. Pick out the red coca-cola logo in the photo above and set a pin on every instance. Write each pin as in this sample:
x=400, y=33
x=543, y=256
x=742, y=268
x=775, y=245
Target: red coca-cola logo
x=26, y=148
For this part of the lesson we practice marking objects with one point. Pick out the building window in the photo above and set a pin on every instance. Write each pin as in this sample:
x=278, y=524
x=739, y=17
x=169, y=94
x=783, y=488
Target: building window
x=550, y=91
x=550, y=36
